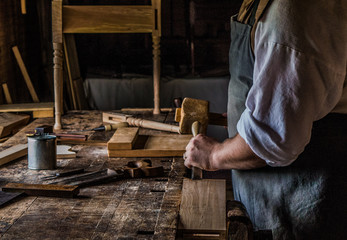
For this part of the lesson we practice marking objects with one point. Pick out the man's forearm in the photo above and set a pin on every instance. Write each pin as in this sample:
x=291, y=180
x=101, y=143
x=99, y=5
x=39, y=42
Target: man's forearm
x=206, y=153
x=234, y=153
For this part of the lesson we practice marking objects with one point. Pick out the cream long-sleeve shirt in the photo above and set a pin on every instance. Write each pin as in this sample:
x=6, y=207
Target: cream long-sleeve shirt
x=299, y=76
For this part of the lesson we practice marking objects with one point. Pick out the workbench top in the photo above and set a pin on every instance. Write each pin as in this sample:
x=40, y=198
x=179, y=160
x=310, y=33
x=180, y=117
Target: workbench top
x=144, y=208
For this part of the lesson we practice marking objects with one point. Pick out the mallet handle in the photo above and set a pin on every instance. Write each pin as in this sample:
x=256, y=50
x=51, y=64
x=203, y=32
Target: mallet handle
x=196, y=172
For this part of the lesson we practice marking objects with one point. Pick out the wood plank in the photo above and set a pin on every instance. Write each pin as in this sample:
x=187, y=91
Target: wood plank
x=27, y=107
x=43, y=113
x=13, y=153
x=23, y=6
x=145, y=109
x=203, y=209
x=123, y=139
x=6, y=197
x=107, y=19
x=63, y=152
x=74, y=75
x=7, y=93
x=10, y=122
x=160, y=145
x=25, y=74
x=42, y=189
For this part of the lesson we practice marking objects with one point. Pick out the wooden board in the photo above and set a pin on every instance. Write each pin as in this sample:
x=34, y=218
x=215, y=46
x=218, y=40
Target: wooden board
x=124, y=138
x=7, y=93
x=108, y=19
x=203, y=209
x=10, y=122
x=13, y=153
x=63, y=152
x=40, y=110
x=159, y=145
x=42, y=189
x=6, y=197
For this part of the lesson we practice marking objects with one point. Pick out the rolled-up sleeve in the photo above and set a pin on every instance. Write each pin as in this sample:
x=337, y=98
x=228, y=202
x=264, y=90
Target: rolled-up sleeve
x=289, y=92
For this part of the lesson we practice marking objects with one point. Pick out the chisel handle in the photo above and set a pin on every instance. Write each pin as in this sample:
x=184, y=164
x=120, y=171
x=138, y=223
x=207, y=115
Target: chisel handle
x=196, y=172
x=110, y=127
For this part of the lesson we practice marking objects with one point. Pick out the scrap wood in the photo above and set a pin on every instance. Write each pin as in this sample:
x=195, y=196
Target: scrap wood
x=23, y=6
x=6, y=197
x=42, y=189
x=7, y=93
x=25, y=74
x=13, y=153
x=39, y=110
x=64, y=151
x=10, y=123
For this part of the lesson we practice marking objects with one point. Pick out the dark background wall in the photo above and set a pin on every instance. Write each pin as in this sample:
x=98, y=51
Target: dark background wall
x=204, y=23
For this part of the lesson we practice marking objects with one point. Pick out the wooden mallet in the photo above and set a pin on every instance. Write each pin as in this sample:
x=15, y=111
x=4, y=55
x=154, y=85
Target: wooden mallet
x=193, y=110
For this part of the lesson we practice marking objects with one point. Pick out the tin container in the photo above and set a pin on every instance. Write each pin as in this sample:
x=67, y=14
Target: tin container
x=42, y=152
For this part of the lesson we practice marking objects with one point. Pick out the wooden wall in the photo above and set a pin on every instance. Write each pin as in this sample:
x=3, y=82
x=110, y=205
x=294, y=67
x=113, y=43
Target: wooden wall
x=209, y=27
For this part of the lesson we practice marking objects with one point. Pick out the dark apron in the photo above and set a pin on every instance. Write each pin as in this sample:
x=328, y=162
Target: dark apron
x=306, y=200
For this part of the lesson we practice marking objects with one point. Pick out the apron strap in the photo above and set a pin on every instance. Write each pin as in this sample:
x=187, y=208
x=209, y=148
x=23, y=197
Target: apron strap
x=253, y=14
x=250, y=13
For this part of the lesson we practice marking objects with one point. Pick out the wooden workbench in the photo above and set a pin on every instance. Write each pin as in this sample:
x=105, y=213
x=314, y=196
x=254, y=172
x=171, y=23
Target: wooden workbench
x=124, y=209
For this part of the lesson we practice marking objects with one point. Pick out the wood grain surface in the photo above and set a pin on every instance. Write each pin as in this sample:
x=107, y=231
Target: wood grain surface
x=108, y=19
x=203, y=209
x=10, y=122
x=123, y=139
x=13, y=153
x=144, y=208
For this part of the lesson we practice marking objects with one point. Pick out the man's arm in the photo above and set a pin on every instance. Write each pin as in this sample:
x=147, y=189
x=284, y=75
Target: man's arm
x=208, y=154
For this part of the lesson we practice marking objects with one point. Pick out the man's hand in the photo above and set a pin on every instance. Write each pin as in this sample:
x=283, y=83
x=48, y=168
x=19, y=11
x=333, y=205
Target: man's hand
x=199, y=153
x=208, y=154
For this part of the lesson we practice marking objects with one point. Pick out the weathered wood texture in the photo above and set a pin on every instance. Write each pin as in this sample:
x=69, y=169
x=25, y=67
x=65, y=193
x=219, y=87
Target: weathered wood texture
x=42, y=190
x=10, y=122
x=108, y=19
x=239, y=224
x=7, y=93
x=13, y=153
x=144, y=208
x=39, y=110
x=64, y=151
x=203, y=209
x=123, y=138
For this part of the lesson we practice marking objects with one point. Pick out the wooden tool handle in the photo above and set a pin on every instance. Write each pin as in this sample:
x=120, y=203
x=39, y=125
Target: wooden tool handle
x=196, y=172
x=138, y=122
x=114, y=126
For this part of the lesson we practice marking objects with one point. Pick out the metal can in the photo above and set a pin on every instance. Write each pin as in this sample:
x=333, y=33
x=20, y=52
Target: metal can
x=42, y=152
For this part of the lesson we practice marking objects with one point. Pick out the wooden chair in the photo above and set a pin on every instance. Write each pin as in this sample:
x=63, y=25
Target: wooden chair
x=69, y=19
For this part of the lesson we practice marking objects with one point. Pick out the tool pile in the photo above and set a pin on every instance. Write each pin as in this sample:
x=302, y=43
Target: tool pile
x=68, y=183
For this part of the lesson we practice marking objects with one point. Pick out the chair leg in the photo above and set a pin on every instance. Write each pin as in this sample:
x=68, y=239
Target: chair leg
x=156, y=73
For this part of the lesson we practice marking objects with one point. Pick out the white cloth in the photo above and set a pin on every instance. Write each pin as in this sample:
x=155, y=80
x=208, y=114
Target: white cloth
x=299, y=76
